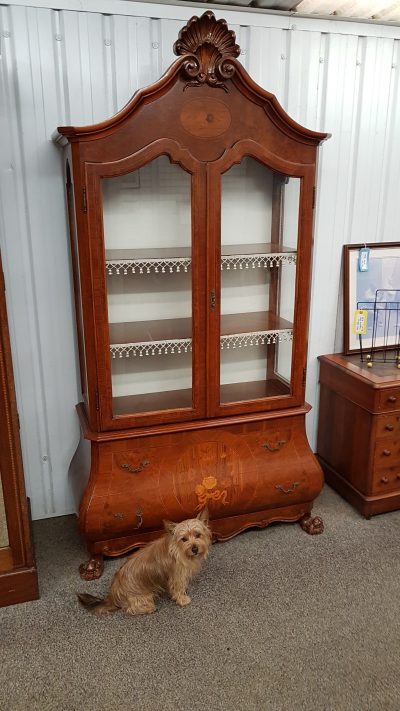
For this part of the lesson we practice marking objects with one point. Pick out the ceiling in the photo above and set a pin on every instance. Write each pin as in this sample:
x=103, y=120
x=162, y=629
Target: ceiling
x=378, y=10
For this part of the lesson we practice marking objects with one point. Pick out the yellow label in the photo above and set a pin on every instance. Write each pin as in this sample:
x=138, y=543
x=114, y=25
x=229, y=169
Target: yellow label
x=360, y=321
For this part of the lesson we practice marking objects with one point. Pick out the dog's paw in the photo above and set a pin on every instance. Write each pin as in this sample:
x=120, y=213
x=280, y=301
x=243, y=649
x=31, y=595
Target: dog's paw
x=140, y=610
x=183, y=600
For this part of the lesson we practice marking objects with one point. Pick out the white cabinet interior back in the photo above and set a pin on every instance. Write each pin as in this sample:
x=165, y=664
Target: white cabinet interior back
x=68, y=64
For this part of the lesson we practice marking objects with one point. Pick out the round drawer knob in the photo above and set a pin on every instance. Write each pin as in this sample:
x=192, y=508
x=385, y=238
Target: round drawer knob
x=390, y=428
x=392, y=398
x=386, y=452
x=384, y=480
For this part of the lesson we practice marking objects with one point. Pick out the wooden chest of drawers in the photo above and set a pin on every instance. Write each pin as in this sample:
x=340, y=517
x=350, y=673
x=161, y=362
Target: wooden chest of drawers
x=359, y=432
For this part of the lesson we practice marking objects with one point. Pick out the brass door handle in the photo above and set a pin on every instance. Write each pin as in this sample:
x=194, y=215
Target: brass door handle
x=389, y=427
x=274, y=448
x=136, y=470
x=289, y=490
x=392, y=398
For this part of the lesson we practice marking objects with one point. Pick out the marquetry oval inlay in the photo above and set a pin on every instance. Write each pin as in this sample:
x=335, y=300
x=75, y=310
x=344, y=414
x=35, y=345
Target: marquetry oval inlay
x=205, y=118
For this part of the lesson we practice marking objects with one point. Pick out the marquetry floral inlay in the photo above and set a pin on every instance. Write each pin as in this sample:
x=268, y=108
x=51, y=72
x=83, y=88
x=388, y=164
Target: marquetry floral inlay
x=207, y=491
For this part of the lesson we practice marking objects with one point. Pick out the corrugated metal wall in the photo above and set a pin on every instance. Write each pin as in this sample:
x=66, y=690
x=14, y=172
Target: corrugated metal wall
x=78, y=66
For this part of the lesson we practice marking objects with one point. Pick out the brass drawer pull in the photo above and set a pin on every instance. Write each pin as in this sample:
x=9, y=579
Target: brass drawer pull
x=385, y=480
x=386, y=452
x=274, y=448
x=289, y=490
x=392, y=398
x=136, y=470
x=139, y=518
x=390, y=428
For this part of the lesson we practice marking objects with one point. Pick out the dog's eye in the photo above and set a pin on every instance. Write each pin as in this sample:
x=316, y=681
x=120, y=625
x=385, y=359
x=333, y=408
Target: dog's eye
x=197, y=534
x=184, y=539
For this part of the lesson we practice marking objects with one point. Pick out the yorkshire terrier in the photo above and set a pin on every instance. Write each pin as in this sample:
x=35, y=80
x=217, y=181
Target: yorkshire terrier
x=164, y=566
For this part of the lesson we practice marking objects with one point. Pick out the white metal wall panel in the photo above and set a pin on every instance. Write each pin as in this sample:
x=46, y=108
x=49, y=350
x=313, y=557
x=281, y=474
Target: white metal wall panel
x=73, y=65
x=390, y=204
x=339, y=107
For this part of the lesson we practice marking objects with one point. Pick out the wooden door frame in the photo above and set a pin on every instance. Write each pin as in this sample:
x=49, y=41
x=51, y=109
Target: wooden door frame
x=306, y=173
x=94, y=172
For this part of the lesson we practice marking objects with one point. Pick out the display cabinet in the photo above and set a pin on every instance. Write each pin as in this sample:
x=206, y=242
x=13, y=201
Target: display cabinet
x=191, y=217
x=18, y=573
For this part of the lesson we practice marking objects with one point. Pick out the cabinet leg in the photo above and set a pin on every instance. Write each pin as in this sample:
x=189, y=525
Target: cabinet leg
x=93, y=568
x=312, y=524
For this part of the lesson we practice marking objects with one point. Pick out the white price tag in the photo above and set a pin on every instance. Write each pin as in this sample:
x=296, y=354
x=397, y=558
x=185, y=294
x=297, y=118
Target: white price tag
x=363, y=259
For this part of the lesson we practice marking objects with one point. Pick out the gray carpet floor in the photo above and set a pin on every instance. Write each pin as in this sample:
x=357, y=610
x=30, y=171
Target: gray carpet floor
x=280, y=621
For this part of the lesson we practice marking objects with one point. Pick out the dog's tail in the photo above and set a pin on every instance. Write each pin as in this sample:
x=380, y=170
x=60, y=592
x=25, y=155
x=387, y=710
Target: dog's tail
x=97, y=604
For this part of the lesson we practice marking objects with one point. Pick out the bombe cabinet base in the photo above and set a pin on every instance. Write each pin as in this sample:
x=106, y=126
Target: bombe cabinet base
x=249, y=473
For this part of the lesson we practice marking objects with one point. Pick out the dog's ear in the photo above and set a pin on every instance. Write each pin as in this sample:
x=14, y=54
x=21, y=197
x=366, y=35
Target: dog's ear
x=169, y=526
x=204, y=516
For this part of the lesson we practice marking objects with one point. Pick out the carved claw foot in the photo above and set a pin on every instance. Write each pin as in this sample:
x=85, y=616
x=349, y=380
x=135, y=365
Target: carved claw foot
x=92, y=569
x=312, y=525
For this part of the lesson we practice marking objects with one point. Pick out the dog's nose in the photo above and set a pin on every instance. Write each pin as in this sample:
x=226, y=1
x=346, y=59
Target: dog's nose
x=195, y=550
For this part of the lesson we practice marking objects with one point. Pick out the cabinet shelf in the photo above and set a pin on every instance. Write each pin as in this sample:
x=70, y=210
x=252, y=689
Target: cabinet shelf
x=253, y=256
x=145, y=261
x=152, y=402
x=173, y=260
x=241, y=392
x=169, y=336
x=231, y=392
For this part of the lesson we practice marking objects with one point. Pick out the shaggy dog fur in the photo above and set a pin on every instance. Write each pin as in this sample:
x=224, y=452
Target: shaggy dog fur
x=164, y=566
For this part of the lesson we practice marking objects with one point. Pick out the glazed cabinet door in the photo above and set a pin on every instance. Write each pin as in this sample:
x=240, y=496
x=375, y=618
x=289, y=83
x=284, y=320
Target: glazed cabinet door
x=259, y=262
x=148, y=302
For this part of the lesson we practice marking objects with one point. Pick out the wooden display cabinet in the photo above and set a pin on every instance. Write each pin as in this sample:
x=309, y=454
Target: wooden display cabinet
x=191, y=217
x=18, y=574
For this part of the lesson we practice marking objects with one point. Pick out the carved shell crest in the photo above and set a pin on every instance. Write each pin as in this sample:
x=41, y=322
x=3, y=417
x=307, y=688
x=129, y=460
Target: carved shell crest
x=210, y=46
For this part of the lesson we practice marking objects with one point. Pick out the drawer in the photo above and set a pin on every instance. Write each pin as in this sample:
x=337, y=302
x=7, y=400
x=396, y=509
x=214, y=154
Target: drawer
x=387, y=452
x=131, y=499
x=387, y=479
x=128, y=465
x=288, y=472
x=389, y=399
x=388, y=426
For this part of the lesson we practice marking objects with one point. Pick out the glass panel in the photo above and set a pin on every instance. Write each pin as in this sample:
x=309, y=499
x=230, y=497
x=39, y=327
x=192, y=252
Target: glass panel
x=259, y=226
x=147, y=230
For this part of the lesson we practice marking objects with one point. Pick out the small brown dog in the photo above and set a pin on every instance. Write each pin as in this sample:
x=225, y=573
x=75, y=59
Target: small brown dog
x=165, y=565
